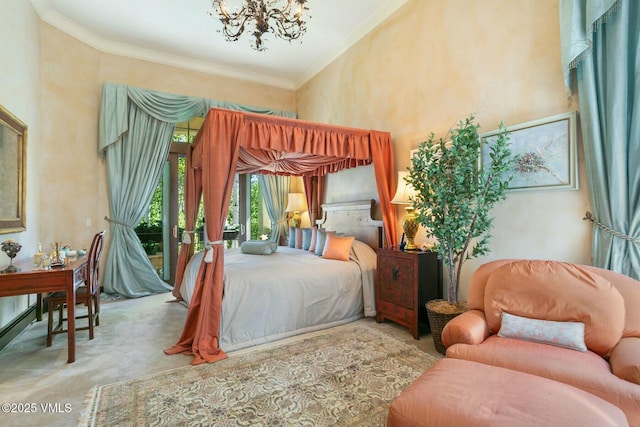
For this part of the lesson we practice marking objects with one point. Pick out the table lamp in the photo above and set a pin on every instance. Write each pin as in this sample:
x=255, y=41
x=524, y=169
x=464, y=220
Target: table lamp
x=296, y=204
x=404, y=193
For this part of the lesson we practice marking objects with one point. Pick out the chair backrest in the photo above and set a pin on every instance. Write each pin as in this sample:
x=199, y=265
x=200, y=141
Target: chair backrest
x=627, y=286
x=93, y=264
x=559, y=291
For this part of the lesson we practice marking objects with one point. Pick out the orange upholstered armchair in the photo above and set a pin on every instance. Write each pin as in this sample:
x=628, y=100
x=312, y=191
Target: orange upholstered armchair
x=576, y=324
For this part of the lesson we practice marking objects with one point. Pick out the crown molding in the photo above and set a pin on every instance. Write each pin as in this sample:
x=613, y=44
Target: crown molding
x=106, y=46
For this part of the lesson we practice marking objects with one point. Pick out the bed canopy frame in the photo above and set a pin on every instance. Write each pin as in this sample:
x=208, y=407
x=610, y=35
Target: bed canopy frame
x=231, y=142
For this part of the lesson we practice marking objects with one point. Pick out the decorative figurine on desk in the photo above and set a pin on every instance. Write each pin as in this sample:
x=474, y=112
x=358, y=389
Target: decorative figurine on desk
x=58, y=261
x=11, y=248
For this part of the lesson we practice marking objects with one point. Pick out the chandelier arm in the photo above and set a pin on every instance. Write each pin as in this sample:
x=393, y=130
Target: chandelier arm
x=285, y=27
x=239, y=24
x=231, y=21
x=290, y=30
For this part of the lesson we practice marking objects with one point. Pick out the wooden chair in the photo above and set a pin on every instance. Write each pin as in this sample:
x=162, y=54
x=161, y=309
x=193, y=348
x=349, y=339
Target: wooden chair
x=89, y=295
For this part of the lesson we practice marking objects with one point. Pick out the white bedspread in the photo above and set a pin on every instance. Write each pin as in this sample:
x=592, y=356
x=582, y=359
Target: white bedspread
x=269, y=297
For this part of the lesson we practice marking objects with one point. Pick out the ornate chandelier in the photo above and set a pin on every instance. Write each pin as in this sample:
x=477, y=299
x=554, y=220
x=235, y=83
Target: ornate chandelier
x=263, y=16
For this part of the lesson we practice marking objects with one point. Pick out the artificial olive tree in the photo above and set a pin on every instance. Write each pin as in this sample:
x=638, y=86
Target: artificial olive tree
x=455, y=193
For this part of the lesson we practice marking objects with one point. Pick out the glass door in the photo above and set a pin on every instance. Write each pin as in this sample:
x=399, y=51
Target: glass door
x=160, y=229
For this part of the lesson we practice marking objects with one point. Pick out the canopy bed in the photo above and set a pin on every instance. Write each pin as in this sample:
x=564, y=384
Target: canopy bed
x=274, y=295
x=232, y=142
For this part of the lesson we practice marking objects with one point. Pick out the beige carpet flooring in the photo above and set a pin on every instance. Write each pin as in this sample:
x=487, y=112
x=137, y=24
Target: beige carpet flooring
x=36, y=381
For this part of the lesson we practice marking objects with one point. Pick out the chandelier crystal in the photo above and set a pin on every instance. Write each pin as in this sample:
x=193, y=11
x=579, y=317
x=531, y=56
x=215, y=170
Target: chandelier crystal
x=283, y=18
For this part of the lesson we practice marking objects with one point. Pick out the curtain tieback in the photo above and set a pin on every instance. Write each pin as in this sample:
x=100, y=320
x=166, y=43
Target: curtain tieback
x=208, y=257
x=589, y=217
x=186, y=239
x=113, y=221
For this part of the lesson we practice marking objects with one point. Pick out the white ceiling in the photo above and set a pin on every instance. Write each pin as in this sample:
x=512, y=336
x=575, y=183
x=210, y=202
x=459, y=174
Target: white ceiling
x=182, y=33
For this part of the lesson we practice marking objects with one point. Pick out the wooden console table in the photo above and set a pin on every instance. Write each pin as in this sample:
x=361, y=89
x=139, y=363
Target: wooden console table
x=29, y=281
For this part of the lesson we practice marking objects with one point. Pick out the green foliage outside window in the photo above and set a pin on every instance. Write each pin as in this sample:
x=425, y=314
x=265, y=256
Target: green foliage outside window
x=149, y=230
x=255, y=208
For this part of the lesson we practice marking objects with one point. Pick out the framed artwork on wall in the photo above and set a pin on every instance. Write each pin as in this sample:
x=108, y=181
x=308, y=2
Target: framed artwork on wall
x=546, y=153
x=13, y=158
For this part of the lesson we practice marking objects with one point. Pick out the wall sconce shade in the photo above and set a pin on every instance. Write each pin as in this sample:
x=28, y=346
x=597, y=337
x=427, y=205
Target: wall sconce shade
x=296, y=203
x=404, y=193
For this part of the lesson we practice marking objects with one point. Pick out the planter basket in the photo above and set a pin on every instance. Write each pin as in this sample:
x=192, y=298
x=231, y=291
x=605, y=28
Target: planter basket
x=437, y=322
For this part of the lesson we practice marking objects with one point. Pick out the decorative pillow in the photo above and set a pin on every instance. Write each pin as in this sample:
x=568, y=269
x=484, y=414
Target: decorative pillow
x=337, y=247
x=562, y=334
x=298, y=244
x=258, y=247
x=306, y=238
x=292, y=237
x=322, y=237
x=314, y=239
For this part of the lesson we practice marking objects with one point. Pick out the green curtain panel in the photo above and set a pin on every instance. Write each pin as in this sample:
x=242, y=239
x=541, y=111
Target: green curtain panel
x=276, y=189
x=134, y=136
x=601, y=40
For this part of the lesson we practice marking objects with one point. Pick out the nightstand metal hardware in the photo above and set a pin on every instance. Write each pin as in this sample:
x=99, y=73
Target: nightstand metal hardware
x=395, y=272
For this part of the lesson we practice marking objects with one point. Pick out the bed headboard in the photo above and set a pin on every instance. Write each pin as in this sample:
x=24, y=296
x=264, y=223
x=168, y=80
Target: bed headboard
x=353, y=219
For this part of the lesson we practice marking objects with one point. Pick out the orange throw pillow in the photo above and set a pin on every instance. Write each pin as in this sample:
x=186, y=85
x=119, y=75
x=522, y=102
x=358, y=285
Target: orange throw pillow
x=338, y=247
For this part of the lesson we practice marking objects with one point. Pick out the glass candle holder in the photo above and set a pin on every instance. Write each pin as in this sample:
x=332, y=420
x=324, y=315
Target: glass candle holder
x=37, y=260
x=46, y=262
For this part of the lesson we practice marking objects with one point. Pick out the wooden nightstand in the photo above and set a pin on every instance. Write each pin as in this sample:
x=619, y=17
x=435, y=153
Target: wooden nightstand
x=405, y=282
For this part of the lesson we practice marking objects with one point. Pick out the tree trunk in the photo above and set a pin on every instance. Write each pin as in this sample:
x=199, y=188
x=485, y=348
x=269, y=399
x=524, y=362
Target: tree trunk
x=453, y=284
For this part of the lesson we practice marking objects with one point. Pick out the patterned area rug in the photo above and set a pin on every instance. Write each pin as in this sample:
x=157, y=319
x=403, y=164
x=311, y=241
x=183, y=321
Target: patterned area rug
x=346, y=377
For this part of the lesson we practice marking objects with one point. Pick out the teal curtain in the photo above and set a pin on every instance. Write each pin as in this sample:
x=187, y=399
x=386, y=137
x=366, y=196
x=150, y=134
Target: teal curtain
x=134, y=168
x=134, y=136
x=275, y=189
x=601, y=40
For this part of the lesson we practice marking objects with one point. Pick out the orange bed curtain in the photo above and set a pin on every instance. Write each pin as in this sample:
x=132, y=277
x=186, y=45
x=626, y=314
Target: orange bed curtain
x=232, y=141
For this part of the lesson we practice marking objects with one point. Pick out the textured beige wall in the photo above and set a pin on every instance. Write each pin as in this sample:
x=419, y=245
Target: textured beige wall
x=70, y=164
x=19, y=93
x=431, y=64
x=72, y=78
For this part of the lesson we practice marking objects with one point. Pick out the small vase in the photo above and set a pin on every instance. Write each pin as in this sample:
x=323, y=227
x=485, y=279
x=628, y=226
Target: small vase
x=11, y=248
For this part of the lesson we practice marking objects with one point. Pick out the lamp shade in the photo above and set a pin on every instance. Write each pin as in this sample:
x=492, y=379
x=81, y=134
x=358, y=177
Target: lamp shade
x=296, y=202
x=404, y=191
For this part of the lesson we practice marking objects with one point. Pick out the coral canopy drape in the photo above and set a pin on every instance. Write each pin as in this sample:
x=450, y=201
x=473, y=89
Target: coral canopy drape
x=301, y=148
x=230, y=142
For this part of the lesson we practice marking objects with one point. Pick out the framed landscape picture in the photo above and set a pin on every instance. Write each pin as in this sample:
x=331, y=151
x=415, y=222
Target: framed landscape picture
x=13, y=158
x=546, y=153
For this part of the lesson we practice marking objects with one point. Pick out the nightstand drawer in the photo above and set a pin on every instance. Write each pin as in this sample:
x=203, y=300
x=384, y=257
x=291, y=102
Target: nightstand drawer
x=397, y=275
